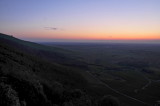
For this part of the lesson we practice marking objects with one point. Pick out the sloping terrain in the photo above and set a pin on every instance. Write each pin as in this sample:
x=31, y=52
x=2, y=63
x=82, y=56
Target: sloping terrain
x=52, y=54
x=28, y=80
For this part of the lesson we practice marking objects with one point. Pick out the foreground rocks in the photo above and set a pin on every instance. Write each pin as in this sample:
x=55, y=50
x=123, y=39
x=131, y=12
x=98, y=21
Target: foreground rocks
x=19, y=92
x=22, y=92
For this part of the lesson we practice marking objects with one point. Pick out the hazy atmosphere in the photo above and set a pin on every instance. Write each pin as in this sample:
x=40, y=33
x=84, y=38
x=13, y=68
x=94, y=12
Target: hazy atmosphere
x=81, y=20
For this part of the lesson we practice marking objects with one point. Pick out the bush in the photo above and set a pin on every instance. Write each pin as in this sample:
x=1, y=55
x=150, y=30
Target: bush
x=8, y=96
x=109, y=101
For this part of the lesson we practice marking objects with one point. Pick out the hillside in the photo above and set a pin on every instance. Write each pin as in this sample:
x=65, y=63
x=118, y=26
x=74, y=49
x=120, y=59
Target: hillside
x=53, y=54
x=28, y=80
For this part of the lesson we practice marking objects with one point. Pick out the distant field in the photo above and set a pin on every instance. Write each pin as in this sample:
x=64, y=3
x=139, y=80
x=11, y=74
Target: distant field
x=133, y=69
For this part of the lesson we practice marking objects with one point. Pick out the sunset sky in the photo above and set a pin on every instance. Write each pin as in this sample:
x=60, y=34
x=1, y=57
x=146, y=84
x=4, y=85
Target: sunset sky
x=51, y=20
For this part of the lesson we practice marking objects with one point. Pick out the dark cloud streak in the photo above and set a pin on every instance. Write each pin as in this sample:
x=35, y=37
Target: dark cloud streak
x=50, y=28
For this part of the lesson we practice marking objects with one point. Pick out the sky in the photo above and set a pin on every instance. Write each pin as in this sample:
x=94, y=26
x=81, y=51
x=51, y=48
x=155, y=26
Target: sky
x=81, y=20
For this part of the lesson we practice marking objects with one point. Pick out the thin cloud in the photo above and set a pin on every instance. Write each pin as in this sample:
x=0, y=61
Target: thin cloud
x=50, y=28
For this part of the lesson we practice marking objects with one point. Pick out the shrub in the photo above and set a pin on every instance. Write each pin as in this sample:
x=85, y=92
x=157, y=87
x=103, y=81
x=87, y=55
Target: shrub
x=8, y=96
x=109, y=101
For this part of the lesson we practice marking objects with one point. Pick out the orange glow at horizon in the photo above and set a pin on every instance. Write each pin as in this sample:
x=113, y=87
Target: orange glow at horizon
x=91, y=36
x=96, y=33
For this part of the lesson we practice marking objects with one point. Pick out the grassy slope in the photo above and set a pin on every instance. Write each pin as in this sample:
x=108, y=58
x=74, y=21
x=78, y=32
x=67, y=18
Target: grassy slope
x=34, y=81
x=17, y=59
x=52, y=54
